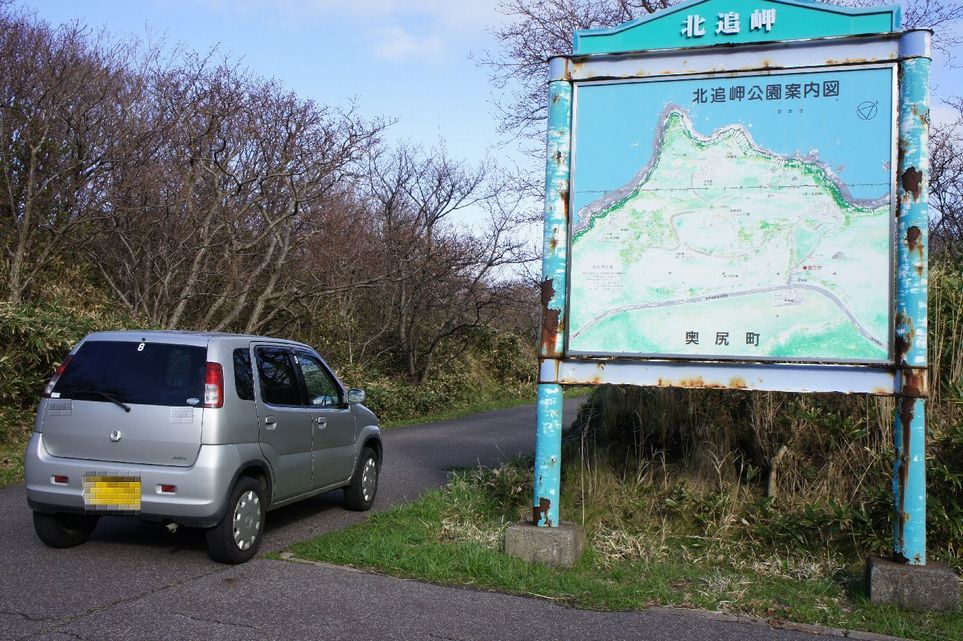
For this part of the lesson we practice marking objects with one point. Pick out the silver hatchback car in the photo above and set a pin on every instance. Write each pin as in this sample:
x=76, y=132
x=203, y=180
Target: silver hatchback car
x=195, y=429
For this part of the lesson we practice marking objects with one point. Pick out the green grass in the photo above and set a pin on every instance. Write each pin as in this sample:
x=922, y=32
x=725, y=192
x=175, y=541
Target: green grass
x=15, y=428
x=11, y=462
x=453, y=536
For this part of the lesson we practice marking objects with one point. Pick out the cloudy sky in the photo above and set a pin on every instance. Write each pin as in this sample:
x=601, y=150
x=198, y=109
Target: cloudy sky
x=409, y=60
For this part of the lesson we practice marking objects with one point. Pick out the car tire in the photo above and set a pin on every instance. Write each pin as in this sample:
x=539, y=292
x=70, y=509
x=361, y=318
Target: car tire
x=64, y=530
x=360, y=494
x=238, y=536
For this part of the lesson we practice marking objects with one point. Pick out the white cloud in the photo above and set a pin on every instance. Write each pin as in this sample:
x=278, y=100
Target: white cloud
x=397, y=45
x=394, y=30
x=452, y=13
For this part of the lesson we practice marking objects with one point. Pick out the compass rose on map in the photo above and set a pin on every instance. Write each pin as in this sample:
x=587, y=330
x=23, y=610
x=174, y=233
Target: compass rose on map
x=867, y=110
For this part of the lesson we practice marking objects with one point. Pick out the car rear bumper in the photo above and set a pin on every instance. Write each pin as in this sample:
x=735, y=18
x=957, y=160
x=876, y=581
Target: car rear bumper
x=199, y=499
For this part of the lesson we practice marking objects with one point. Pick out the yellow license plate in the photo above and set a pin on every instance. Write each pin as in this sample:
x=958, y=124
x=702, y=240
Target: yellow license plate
x=112, y=493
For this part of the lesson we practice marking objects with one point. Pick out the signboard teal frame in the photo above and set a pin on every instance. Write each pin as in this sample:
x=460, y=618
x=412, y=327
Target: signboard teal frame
x=725, y=39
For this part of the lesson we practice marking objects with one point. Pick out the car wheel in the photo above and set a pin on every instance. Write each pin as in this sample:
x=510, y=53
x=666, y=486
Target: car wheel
x=360, y=494
x=237, y=537
x=64, y=530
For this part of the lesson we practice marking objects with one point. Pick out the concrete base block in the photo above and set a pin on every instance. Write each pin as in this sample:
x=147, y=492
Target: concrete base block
x=916, y=587
x=560, y=546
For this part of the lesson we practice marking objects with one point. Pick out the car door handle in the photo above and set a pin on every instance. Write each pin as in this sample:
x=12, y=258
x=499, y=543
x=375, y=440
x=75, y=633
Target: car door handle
x=270, y=422
x=322, y=422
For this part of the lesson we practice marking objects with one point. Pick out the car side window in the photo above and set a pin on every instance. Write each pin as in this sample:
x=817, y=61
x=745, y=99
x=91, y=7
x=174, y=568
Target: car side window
x=279, y=386
x=322, y=390
x=243, y=376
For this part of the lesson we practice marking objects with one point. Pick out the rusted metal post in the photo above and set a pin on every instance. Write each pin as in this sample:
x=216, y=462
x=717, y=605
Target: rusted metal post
x=909, y=468
x=548, y=441
x=555, y=240
x=548, y=456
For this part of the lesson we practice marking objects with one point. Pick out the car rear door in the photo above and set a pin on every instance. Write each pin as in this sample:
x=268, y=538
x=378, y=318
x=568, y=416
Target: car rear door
x=333, y=443
x=285, y=429
x=129, y=401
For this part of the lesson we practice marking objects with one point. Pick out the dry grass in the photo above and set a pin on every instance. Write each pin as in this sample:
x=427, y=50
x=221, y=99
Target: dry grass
x=831, y=443
x=946, y=338
x=787, y=486
x=460, y=529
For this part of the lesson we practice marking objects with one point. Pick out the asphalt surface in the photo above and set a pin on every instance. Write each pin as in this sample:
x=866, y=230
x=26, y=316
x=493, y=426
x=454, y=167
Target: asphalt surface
x=137, y=581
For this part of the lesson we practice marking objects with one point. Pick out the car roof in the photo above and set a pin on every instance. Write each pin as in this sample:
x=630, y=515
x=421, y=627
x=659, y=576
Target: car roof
x=184, y=337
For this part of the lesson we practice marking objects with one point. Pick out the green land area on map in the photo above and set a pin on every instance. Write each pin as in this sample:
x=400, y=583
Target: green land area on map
x=719, y=248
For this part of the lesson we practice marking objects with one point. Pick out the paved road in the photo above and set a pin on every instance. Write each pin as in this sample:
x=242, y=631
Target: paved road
x=136, y=581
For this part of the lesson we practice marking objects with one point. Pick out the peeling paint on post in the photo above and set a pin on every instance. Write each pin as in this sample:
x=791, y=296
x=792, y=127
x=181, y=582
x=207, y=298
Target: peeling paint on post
x=909, y=468
x=548, y=440
x=912, y=210
x=548, y=456
x=555, y=249
x=909, y=482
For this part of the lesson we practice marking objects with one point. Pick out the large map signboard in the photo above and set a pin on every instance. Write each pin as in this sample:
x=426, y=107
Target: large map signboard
x=734, y=217
x=736, y=198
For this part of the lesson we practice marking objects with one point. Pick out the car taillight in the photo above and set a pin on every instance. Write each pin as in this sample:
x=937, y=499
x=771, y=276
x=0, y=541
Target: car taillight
x=214, y=386
x=56, y=377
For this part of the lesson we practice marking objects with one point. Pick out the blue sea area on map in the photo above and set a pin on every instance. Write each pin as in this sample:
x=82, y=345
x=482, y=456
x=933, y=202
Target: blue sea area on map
x=845, y=117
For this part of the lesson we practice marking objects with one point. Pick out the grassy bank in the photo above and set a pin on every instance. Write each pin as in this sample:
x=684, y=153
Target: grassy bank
x=15, y=427
x=453, y=536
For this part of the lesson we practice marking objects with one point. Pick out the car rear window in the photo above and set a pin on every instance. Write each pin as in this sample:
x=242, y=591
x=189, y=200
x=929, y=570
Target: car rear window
x=136, y=373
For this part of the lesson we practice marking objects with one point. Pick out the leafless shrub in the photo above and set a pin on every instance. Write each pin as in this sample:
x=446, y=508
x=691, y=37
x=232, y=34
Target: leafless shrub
x=201, y=196
x=946, y=185
x=62, y=101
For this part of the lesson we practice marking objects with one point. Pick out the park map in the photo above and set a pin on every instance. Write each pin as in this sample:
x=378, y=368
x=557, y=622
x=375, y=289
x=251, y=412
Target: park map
x=720, y=248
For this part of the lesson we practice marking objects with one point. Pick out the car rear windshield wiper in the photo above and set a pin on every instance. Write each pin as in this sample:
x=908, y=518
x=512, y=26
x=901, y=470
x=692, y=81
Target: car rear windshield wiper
x=110, y=397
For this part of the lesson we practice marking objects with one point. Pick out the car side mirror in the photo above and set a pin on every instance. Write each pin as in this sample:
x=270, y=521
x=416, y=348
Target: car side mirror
x=355, y=396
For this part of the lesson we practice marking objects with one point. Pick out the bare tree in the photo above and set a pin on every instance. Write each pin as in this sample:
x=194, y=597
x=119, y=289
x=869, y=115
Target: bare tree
x=61, y=102
x=338, y=276
x=938, y=15
x=946, y=185
x=205, y=228
x=535, y=31
x=539, y=29
x=305, y=154
x=441, y=280
x=197, y=195
x=163, y=218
